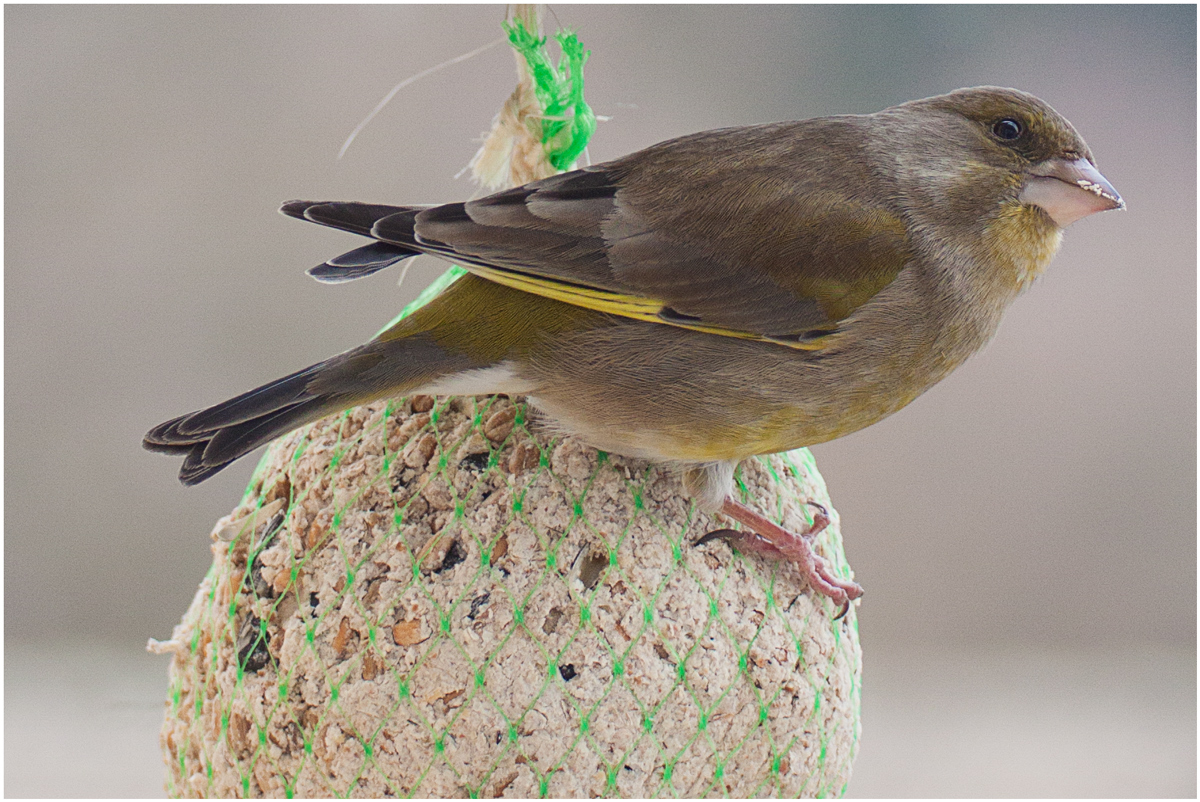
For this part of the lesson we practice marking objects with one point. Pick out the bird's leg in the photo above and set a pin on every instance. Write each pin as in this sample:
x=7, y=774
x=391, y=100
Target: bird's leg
x=765, y=537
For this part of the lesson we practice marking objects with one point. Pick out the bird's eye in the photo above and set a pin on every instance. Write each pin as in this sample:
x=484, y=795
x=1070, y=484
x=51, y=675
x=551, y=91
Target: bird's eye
x=1007, y=129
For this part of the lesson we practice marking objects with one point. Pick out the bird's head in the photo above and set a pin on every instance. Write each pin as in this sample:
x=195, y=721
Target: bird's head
x=980, y=149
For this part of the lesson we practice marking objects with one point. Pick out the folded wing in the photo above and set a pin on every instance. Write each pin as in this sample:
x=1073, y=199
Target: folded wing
x=745, y=232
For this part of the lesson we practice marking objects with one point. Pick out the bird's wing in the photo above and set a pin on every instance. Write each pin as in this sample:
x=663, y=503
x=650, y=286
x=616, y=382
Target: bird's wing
x=744, y=232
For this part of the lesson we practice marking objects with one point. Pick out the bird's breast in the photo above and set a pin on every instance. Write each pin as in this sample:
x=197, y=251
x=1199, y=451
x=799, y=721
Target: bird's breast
x=1017, y=245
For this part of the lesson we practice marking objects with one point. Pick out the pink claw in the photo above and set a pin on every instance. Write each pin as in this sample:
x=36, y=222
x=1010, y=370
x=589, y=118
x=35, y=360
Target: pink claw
x=771, y=540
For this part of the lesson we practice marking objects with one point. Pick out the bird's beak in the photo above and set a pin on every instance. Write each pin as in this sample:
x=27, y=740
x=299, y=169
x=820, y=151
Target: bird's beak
x=1069, y=190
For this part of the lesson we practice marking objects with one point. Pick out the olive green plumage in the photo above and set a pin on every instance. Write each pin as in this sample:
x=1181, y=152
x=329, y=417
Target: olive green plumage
x=729, y=293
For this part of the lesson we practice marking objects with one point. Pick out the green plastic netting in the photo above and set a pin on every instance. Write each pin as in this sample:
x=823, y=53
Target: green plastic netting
x=435, y=598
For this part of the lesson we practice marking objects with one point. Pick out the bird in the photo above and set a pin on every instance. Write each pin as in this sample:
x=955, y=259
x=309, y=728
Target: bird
x=730, y=293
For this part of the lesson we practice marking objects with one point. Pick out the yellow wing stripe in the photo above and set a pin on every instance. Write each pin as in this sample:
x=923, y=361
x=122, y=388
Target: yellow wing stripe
x=615, y=303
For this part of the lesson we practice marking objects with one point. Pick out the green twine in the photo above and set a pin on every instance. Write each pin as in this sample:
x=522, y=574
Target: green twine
x=568, y=121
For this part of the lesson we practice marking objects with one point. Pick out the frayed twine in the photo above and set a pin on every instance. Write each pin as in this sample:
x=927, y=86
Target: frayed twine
x=545, y=124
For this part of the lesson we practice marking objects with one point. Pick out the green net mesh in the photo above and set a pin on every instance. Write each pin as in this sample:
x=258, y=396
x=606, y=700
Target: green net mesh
x=436, y=598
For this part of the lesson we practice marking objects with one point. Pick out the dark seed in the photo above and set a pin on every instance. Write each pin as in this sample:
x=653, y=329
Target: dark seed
x=475, y=462
x=252, y=646
x=454, y=555
x=476, y=604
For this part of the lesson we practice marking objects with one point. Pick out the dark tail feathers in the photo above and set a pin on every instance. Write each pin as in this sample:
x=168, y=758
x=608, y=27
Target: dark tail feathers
x=359, y=218
x=213, y=438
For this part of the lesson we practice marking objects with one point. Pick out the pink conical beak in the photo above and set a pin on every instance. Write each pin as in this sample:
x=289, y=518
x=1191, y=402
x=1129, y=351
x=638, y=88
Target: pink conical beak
x=1069, y=190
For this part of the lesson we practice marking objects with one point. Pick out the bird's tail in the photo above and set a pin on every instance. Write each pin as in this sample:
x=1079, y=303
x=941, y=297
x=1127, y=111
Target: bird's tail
x=361, y=219
x=212, y=438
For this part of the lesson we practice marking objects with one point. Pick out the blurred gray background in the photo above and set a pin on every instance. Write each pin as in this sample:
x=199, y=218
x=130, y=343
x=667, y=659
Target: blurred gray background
x=1025, y=530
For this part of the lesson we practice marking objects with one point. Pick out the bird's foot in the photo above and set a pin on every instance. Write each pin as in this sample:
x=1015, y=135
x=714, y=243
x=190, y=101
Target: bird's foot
x=762, y=536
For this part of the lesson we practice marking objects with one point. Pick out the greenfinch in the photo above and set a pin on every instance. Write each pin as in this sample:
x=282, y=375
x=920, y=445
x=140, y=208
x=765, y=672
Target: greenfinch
x=733, y=292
